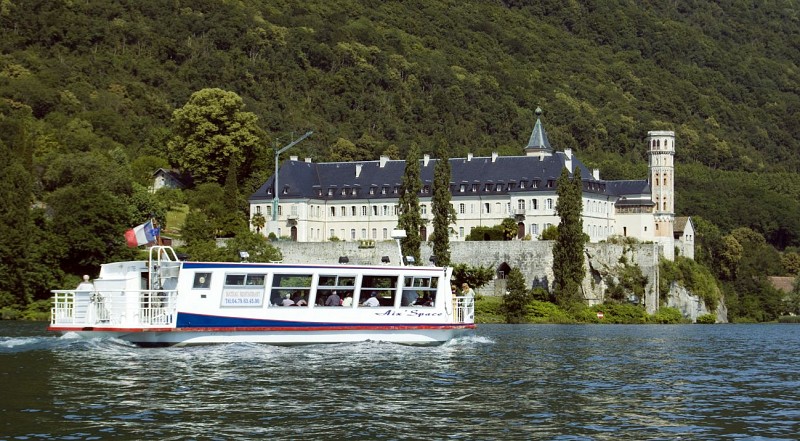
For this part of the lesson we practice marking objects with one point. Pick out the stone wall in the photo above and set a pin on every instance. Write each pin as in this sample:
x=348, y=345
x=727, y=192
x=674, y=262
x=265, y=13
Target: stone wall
x=533, y=258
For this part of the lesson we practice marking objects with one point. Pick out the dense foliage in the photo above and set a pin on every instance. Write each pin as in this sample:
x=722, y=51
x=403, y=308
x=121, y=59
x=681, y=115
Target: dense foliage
x=94, y=97
x=443, y=212
x=410, y=218
x=568, y=267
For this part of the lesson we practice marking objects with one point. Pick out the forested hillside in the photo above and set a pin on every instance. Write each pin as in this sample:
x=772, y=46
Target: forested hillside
x=88, y=90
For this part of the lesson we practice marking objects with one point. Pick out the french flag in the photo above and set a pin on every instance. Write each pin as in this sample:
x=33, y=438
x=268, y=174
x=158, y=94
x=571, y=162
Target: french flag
x=141, y=235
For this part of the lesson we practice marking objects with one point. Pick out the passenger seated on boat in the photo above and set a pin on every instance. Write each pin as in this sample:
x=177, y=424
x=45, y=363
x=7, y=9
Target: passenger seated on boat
x=287, y=301
x=372, y=300
x=425, y=300
x=299, y=299
x=348, y=299
x=333, y=300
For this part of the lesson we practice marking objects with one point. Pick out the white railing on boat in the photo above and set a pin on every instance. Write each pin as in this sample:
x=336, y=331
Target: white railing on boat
x=114, y=308
x=463, y=309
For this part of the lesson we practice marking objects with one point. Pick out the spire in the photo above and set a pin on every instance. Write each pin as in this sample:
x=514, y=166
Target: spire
x=538, y=141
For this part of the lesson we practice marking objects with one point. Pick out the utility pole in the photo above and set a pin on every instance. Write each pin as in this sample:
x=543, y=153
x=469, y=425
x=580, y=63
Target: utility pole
x=276, y=188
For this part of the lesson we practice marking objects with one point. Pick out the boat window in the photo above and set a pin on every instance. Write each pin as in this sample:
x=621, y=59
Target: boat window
x=291, y=287
x=244, y=279
x=384, y=288
x=234, y=279
x=255, y=280
x=419, y=291
x=202, y=280
x=344, y=286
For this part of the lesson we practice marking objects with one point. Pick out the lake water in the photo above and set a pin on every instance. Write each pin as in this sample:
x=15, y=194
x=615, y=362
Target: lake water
x=559, y=382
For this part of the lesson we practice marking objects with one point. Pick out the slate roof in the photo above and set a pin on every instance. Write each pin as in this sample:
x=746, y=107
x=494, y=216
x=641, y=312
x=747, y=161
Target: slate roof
x=300, y=179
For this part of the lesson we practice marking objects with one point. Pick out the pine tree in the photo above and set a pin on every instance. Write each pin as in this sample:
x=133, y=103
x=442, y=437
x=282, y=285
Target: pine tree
x=568, y=268
x=410, y=219
x=443, y=212
x=516, y=298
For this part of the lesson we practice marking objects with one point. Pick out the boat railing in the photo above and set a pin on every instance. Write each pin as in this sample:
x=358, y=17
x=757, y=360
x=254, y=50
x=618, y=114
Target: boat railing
x=464, y=309
x=114, y=308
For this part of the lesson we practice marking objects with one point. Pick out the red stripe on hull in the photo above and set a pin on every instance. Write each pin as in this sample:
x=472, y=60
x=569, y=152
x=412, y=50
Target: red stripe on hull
x=263, y=329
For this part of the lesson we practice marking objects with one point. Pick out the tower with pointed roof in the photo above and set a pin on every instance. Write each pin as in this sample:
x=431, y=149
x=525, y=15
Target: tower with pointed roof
x=538, y=144
x=661, y=148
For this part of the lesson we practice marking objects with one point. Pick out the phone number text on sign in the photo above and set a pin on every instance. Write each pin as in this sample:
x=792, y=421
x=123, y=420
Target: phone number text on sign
x=249, y=297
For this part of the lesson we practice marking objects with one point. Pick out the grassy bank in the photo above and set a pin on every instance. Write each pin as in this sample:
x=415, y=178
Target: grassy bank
x=490, y=310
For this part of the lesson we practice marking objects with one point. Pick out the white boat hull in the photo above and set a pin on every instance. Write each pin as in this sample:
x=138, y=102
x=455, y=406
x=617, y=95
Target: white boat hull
x=417, y=337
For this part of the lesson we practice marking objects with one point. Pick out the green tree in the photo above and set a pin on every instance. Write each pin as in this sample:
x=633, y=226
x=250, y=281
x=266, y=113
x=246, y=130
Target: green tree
x=516, y=298
x=410, y=219
x=568, y=266
x=255, y=244
x=234, y=207
x=211, y=132
x=509, y=228
x=791, y=263
x=443, y=212
x=258, y=221
x=16, y=197
x=549, y=233
x=475, y=276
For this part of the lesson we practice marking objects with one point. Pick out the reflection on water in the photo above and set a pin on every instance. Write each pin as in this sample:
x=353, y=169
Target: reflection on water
x=503, y=382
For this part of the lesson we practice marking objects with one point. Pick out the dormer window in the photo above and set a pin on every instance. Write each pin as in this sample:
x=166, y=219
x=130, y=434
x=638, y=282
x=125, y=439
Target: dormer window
x=474, y=187
x=523, y=184
x=372, y=190
x=354, y=192
x=344, y=192
x=330, y=191
x=286, y=190
x=426, y=189
x=462, y=188
x=488, y=187
x=319, y=192
x=384, y=190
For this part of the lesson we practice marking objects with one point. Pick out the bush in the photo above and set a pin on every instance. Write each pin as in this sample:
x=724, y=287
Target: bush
x=706, y=319
x=489, y=310
x=546, y=312
x=667, y=316
x=789, y=319
x=622, y=313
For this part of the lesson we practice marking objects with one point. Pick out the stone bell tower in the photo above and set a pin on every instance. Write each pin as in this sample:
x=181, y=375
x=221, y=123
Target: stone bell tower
x=661, y=147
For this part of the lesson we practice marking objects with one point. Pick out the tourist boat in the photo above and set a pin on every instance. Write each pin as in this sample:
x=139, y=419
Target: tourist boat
x=163, y=301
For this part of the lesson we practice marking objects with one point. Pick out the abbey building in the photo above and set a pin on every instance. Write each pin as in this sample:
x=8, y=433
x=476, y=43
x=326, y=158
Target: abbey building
x=358, y=201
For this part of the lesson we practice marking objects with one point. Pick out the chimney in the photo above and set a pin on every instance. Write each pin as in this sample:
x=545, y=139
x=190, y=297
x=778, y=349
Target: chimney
x=568, y=152
x=426, y=158
x=568, y=159
x=383, y=161
x=293, y=158
x=469, y=157
x=308, y=160
x=596, y=174
x=494, y=156
x=358, y=169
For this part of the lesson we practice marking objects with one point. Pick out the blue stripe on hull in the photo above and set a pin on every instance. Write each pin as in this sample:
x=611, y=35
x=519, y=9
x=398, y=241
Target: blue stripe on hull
x=187, y=320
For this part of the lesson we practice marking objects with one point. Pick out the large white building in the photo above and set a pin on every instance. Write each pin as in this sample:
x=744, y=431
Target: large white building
x=359, y=200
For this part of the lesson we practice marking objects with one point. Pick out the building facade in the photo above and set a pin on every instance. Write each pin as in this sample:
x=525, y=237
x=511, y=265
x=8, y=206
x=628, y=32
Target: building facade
x=358, y=201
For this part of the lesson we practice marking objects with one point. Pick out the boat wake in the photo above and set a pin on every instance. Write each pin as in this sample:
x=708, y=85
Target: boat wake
x=11, y=345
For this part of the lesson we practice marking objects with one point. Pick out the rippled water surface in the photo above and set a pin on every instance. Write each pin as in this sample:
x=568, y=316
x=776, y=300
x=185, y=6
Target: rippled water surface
x=504, y=382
